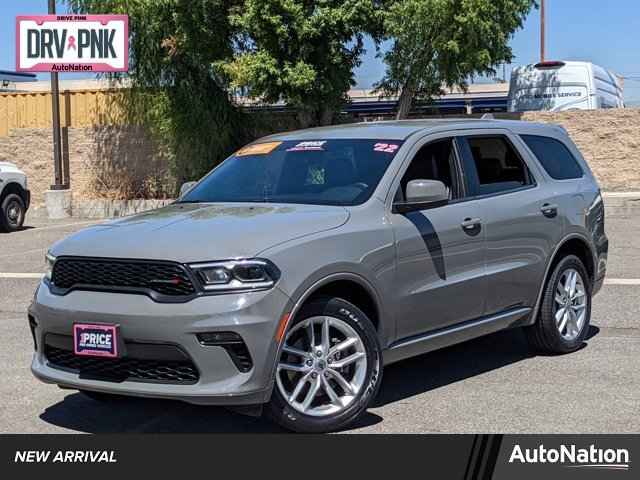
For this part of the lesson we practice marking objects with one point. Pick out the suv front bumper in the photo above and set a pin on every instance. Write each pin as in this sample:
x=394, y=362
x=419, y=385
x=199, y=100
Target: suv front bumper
x=254, y=316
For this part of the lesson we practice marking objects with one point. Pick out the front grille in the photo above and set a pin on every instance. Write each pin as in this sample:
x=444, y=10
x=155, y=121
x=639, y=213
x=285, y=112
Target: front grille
x=165, y=278
x=123, y=369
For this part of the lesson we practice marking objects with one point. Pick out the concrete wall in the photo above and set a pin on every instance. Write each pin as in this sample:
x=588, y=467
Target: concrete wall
x=104, y=162
x=608, y=139
x=120, y=162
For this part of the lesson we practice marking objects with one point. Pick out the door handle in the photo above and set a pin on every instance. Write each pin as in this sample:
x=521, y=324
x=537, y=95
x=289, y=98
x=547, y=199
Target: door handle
x=471, y=224
x=549, y=210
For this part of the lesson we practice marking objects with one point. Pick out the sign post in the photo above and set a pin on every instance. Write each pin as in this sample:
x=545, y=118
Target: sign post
x=58, y=183
x=69, y=43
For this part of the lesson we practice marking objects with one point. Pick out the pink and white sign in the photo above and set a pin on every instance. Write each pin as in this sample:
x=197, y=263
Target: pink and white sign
x=72, y=43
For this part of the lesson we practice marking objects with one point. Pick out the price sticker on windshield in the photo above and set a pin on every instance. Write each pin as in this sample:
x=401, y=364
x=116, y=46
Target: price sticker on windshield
x=386, y=147
x=258, y=149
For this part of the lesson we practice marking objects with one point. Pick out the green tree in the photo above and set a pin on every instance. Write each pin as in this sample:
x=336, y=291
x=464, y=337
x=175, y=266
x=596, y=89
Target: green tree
x=438, y=43
x=175, y=90
x=303, y=52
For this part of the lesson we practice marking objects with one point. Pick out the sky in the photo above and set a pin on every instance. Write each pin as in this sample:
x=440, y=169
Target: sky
x=604, y=32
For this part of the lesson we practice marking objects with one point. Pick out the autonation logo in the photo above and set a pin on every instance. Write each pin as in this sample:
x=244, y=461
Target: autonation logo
x=572, y=456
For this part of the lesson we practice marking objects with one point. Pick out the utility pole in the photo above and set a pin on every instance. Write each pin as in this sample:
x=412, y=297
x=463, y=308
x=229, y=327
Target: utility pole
x=58, y=183
x=542, y=30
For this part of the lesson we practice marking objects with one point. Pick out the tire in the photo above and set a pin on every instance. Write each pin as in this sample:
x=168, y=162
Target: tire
x=12, y=213
x=557, y=336
x=353, y=344
x=103, y=397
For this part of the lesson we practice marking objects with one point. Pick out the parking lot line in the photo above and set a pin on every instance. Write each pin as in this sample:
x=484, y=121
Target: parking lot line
x=622, y=281
x=21, y=275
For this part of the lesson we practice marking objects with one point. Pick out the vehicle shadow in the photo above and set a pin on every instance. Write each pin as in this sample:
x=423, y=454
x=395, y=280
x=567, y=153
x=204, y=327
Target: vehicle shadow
x=401, y=381
x=21, y=229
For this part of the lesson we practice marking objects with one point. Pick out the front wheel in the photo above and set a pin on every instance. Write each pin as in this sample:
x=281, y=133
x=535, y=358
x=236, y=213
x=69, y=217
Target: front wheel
x=12, y=213
x=565, y=312
x=329, y=370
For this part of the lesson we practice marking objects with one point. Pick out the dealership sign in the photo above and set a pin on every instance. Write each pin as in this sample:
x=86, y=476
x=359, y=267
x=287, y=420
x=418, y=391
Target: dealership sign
x=72, y=43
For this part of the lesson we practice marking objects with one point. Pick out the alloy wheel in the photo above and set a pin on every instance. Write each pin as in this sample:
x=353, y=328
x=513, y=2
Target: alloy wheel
x=13, y=213
x=570, y=304
x=322, y=367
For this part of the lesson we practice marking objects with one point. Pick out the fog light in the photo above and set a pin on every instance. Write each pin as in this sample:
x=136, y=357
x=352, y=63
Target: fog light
x=233, y=344
x=218, y=338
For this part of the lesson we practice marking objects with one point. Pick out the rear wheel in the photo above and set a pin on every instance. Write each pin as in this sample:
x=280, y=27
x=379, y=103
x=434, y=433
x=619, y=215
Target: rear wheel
x=12, y=213
x=565, y=312
x=329, y=369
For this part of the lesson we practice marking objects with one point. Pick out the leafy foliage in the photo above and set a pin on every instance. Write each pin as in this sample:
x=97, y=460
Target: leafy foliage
x=302, y=52
x=175, y=91
x=444, y=42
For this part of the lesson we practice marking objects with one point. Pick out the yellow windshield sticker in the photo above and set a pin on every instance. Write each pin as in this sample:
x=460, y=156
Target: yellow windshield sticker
x=258, y=149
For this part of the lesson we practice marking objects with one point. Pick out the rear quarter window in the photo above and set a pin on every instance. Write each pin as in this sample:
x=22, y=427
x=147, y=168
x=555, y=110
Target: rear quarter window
x=554, y=157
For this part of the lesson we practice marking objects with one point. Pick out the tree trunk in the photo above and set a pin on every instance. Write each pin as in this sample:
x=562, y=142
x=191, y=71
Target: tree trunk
x=325, y=116
x=405, y=102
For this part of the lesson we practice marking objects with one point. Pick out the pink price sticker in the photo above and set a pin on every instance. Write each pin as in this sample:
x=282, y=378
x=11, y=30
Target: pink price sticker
x=386, y=147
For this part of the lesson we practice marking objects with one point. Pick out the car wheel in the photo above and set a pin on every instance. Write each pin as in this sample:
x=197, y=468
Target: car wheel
x=12, y=213
x=103, y=397
x=565, y=312
x=329, y=368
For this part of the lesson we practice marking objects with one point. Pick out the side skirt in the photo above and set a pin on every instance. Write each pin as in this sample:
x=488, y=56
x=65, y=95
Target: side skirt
x=461, y=332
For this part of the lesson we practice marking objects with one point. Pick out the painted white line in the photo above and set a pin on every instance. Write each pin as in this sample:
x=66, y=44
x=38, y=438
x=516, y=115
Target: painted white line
x=21, y=275
x=620, y=194
x=622, y=281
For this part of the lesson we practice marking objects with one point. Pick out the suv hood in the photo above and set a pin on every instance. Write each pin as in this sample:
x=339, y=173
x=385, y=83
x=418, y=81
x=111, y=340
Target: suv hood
x=201, y=232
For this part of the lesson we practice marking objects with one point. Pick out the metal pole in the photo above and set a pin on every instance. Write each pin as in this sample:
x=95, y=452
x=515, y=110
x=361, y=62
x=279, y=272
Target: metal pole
x=55, y=110
x=542, y=21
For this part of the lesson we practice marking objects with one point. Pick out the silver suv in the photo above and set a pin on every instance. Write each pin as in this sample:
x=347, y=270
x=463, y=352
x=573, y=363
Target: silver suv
x=294, y=271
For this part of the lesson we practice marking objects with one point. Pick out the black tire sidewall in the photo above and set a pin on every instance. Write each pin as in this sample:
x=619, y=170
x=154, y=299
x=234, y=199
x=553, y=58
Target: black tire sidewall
x=4, y=212
x=547, y=317
x=281, y=412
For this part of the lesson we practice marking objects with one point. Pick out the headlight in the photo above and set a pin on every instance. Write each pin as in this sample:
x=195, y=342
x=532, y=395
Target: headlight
x=49, y=260
x=234, y=275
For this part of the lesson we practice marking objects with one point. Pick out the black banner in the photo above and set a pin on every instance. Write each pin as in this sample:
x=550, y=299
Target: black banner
x=464, y=457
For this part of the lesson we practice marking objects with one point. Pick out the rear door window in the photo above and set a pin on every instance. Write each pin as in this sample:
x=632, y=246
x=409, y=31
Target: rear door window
x=554, y=156
x=493, y=165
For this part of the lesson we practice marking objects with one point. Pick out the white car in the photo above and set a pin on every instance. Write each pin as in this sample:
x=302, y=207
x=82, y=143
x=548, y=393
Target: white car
x=14, y=197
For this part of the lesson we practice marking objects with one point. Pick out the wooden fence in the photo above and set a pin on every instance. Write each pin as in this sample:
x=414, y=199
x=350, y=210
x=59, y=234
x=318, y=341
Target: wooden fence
x=81, y=108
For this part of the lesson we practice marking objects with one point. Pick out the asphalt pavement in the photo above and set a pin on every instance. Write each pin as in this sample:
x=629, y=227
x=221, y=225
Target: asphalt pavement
x=492, y=384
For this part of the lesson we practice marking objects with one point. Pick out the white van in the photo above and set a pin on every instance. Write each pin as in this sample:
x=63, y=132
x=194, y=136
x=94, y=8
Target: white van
x=557, y=86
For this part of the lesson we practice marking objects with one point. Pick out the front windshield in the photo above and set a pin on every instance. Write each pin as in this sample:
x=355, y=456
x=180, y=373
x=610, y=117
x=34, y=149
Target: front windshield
x=322, y=172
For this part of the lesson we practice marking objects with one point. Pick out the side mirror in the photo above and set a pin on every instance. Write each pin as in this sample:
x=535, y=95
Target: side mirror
x=423, y=194
x=186, y=187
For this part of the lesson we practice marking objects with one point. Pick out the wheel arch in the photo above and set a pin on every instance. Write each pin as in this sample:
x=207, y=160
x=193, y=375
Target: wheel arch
x=13, y=187
x=573, y=244
x=350, y=287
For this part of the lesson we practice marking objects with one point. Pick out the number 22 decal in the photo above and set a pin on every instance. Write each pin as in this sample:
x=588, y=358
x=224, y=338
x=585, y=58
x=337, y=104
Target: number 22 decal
x=385, y=147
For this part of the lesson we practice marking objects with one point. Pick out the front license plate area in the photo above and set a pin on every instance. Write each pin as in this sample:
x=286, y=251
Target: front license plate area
x=95, y=340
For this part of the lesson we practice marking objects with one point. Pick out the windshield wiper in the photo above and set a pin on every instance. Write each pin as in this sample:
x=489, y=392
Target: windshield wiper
x=190, y=201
